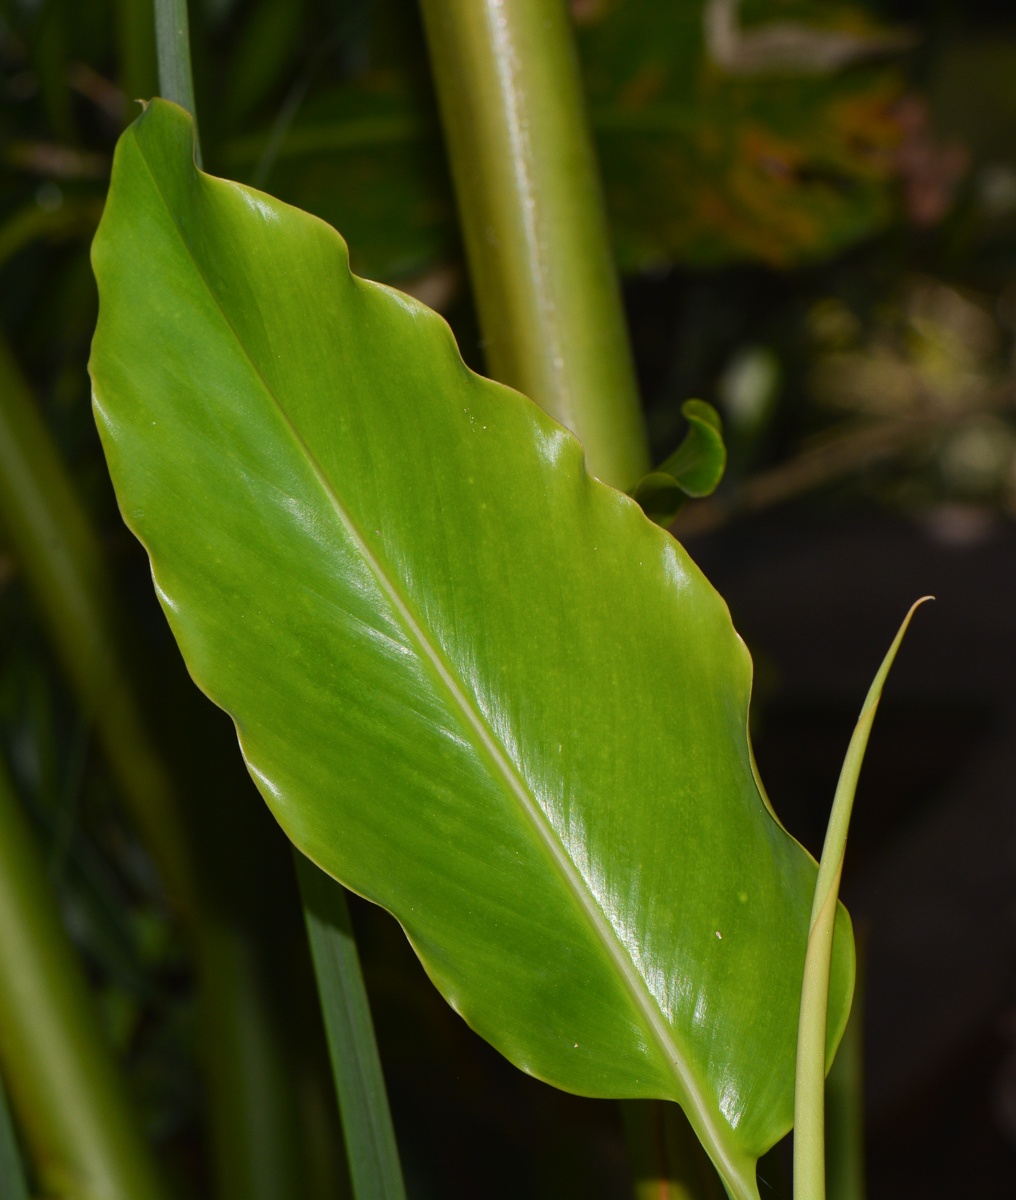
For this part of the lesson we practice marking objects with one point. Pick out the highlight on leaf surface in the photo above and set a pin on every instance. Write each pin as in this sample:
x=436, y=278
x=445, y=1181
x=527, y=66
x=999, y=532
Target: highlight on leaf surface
x=473, y=684
x=693, y=470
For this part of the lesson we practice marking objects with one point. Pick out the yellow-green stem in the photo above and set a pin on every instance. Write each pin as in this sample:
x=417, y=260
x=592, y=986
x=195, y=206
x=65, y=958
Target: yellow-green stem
x=64, y=1083
x=532, y=214
x=256, y=1136
x=59, y=556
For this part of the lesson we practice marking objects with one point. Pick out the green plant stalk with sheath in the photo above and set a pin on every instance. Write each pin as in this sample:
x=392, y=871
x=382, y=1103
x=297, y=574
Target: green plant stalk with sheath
x=251, y=1090
x=256, y=1141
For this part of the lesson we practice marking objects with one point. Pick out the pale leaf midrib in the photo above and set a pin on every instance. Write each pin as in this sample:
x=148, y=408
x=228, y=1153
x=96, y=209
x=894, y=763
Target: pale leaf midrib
x=473, y=718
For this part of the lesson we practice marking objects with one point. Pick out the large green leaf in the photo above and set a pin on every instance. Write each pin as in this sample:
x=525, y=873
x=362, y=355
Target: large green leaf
x=474, y=684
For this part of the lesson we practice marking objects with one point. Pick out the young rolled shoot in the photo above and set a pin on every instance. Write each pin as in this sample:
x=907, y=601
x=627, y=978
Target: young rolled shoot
x=693, y=470
x=809, y=1093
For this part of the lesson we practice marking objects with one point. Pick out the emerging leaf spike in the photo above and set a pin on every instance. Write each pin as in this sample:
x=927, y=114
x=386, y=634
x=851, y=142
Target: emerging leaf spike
x=813, y=1059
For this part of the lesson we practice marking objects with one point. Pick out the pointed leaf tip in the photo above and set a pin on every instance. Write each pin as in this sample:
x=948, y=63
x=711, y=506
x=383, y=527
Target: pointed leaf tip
x=878, y=683
x=813, y=1057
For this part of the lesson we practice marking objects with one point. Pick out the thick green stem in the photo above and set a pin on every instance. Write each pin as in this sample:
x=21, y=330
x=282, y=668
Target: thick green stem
x=532, y=214
x=64, y=1083
x=256, y=1136
x=58, y=553
x=371, y=1151
x=535, y=230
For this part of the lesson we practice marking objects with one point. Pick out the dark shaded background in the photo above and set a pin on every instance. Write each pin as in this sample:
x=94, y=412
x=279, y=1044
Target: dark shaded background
x=817, y=576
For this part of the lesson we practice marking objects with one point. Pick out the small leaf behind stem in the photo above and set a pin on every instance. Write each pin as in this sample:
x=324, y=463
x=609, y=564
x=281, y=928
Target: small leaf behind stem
x=812, y=1058
x=693, y=470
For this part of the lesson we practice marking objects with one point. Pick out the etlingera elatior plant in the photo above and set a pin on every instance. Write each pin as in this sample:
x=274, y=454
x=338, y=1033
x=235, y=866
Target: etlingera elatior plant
x=472, y=676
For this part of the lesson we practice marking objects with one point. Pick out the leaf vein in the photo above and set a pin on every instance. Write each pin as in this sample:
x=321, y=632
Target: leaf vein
x=512, y=779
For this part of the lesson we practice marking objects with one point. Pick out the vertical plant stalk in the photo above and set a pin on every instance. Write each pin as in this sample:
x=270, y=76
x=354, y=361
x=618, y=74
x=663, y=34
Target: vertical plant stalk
x=73, y=1107
x=371, y=1150
x=58, y=553
x=12, y=1172
x=532, y=213
x=254, y=1123
x=172, y=41
x=809, y=1093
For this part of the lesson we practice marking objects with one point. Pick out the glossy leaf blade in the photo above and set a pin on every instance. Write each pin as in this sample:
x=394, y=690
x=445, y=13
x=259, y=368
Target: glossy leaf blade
x=475, y=685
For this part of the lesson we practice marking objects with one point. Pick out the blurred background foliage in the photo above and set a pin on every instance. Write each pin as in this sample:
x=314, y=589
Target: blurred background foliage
x=813, y=206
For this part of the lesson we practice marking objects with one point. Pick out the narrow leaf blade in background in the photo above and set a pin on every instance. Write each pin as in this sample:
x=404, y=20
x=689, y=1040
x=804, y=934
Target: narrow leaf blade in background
x=371, y=1151
x=432, y=629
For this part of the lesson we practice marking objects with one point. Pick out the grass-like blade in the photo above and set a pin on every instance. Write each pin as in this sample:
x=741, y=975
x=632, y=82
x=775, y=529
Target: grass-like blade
x=359, y=1082
x=812, y=1056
